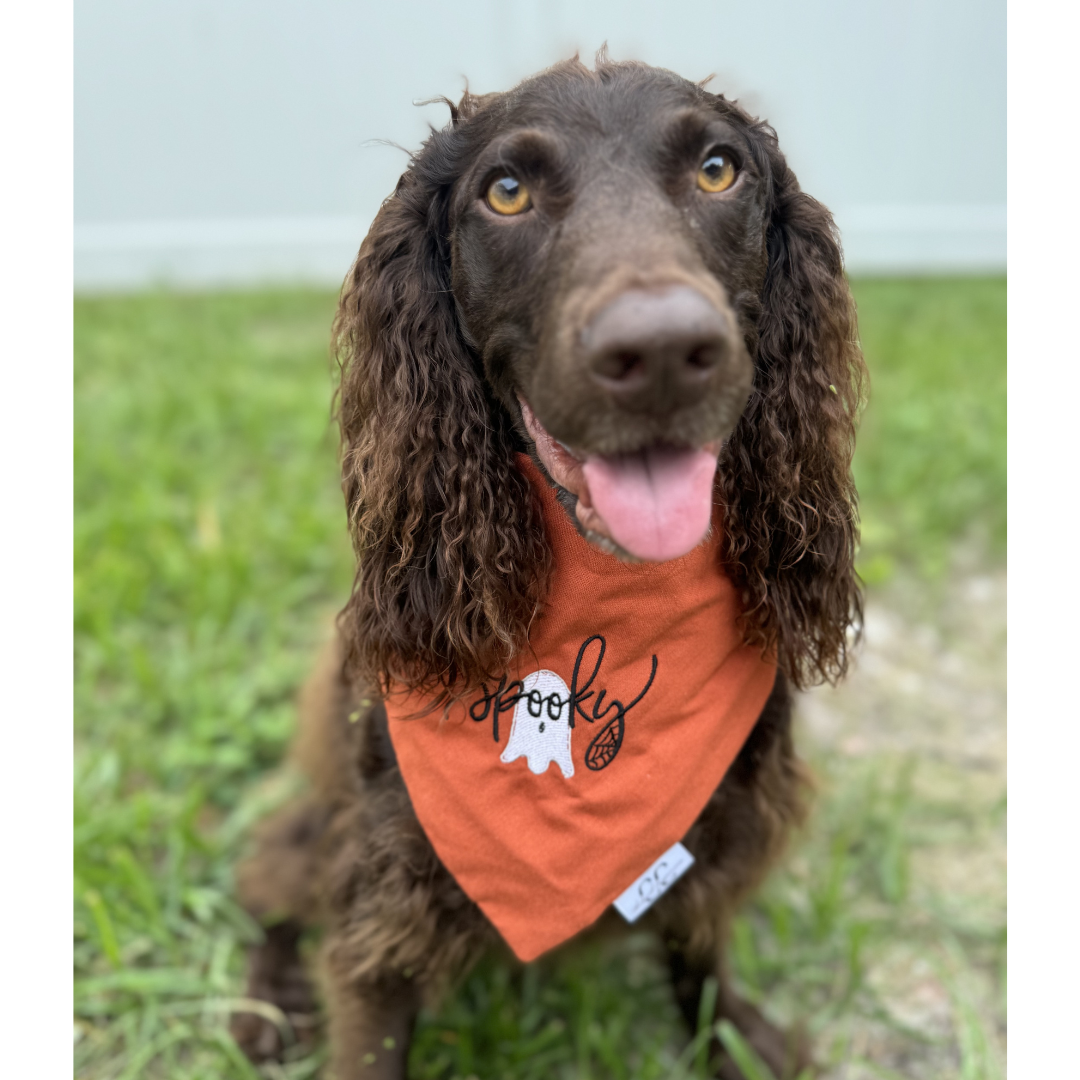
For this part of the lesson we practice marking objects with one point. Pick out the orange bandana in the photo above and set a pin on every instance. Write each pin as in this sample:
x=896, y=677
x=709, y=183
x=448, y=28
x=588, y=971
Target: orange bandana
x=548, y=794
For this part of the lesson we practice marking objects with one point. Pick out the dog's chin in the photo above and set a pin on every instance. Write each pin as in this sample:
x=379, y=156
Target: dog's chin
x=653, y=504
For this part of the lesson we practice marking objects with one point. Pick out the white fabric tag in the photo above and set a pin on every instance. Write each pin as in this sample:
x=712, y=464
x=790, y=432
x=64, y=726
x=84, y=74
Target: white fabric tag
x=654, y=882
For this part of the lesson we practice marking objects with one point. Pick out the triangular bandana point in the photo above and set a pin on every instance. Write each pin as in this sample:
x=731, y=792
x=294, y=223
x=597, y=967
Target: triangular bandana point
x=550, y=794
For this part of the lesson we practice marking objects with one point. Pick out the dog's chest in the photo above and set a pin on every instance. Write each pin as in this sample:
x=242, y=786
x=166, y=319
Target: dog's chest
x=548, y=793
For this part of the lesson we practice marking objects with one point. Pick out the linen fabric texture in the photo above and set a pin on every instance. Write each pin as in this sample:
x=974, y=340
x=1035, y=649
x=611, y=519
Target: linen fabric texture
x=547, y=794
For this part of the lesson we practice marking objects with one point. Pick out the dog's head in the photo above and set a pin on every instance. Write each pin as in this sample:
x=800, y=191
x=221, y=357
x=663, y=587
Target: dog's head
x=607, y=255
x=615, y=271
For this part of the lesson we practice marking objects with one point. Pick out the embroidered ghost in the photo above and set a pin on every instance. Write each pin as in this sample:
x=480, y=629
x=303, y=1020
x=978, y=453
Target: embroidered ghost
x=540, y=730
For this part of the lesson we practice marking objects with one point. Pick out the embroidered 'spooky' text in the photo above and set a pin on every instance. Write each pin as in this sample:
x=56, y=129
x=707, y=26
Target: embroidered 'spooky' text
x=549, y=698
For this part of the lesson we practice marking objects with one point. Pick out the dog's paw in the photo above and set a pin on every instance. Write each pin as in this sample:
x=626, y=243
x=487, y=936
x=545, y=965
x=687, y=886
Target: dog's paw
x=785, y=1055
x=260, y=1038
x=265, y=1032
x=279, y=1011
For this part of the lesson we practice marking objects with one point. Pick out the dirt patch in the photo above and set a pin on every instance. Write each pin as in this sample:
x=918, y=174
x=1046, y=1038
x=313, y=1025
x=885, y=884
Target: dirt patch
x=927, y=692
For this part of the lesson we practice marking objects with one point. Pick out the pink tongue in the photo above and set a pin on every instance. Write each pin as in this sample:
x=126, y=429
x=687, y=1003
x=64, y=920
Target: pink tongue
x=657, y=503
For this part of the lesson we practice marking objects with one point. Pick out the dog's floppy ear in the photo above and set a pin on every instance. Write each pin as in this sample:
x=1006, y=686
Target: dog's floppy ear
x=451, y=555
x=792, y=523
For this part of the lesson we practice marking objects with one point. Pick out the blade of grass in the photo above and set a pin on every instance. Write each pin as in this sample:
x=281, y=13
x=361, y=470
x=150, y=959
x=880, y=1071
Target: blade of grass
x=710, y=989
x=106, y=932
x=742, y=1053
x=138, y=1061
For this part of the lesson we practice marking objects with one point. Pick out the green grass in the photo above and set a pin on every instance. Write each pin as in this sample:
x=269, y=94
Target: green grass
x=930, y=464
x=210, y=554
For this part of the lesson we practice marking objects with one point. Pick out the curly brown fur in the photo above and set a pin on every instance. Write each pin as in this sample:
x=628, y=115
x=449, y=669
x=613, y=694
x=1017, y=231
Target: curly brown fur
x=785, y=477
x=353, y=858
x=452, y=561
x=450, y=551
x=447, y=322
x=740, y=834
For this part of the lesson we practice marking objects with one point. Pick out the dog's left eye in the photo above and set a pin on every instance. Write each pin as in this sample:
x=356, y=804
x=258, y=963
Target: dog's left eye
x=717, y=173
x=508, y=196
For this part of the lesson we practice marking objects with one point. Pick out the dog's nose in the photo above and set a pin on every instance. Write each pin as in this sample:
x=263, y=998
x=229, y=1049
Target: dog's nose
x=656, y=351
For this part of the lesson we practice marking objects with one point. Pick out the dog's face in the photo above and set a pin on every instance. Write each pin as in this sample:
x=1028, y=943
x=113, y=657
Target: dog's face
x=616, y=270
x=608, y=254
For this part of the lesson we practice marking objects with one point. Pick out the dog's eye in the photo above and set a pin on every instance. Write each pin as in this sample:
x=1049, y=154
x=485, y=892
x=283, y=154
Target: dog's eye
x=508, y=196
x=717, y=173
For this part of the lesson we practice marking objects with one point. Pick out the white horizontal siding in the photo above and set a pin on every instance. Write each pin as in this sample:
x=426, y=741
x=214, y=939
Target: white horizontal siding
x=202, y=253
x=239, y=141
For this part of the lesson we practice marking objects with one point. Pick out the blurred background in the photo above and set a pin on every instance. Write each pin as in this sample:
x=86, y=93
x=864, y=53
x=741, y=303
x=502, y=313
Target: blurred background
x=229, y=157
x=232, y=141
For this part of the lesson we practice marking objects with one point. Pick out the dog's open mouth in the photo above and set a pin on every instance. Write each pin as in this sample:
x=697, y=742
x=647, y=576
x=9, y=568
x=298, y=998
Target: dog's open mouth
x=655, y=503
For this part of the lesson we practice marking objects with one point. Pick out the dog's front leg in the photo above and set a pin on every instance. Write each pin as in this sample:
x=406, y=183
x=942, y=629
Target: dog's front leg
x=371, y=1027
x=786, y=1053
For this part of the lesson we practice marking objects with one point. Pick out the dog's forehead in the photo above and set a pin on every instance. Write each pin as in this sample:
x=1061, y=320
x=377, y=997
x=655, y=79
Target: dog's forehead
x=636, y=104
x=575, y=127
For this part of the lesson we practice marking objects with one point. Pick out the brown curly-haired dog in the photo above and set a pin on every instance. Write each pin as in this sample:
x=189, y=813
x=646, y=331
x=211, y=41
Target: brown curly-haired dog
x=598, y=262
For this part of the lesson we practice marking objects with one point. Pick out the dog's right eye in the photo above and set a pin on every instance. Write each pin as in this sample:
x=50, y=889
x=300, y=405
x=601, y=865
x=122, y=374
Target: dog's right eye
x=508, y=196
